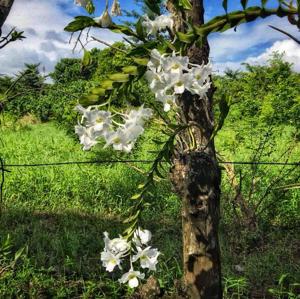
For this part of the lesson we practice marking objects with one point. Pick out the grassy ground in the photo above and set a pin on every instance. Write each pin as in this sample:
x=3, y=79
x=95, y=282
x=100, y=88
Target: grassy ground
x=59, y=214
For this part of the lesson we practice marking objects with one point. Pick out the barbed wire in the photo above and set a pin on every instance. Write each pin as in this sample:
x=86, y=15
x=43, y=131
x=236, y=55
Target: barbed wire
x=139, y=161
x=3, y=167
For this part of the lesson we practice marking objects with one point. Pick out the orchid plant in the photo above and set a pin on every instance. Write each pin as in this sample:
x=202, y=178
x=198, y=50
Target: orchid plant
x=168, y=76
x=159, y=52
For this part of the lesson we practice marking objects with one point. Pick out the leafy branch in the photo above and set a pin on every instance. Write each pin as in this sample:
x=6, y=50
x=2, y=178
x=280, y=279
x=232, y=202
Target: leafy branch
x=155, y=171
x=12, y=36
x=233, y=19
x=286, y=33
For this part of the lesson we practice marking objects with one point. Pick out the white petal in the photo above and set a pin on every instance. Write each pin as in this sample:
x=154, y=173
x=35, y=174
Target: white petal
x=133, y=282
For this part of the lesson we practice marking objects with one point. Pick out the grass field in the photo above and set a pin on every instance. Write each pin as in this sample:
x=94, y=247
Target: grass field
x=60, y=213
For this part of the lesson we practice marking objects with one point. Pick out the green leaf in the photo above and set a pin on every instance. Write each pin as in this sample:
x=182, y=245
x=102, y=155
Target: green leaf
x=140, y=29
x=119, y=77
x=90, y=7
x=88, y=100
x=123, y=29
x=17, y=35
x=80, y=23
x=137, y=196
x=225, y=5
x=244, y=3
x=132, y=218
x=224, y=110
x=130, y=230
x=153, y=6
x=185, y=4
x=141, y=186
x=141, y=61
x=263, y=3
x=18, y=254
x=98, y=91
x=87, y=58
x=186, y=37
x=131, y=70
x=107, y=84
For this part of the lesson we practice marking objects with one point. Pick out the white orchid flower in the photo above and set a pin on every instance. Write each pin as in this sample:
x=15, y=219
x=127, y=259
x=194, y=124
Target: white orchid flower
x=87, y=137
x=110, y=260
x=201, y=90
x=117, y=246
x=175, y=64
x=99, y=120
x=158, y=24
x=201, y=73
x=165, y=21
x=168, y=99
x=155, y=61
x=141, y=236
x=138, y=117
x=118, y=139
x=132, y=277
x=148, y=257
x=156, y=80
x=179, y=82
x=150, y=26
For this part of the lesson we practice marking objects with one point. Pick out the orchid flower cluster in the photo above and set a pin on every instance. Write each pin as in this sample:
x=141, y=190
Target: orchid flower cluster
x=160, y=23
x=170, y=76
x=138, y=251
x=96, y=124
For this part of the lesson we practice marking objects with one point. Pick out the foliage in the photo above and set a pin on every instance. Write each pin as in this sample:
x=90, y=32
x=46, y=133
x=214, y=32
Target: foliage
x=285, y=288
x=268, y=94
x=12, y=36
x=235, y=287
x=68, y=70
x=262, y=126
x=22, y=96
x=29, y=94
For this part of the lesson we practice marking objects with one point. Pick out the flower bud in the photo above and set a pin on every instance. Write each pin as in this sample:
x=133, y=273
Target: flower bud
x=105, y=20
x=82, y=3
x=116, y=9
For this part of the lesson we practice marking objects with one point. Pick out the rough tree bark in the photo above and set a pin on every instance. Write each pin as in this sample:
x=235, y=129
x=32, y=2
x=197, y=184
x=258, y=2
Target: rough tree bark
x=5, y=6
x=196, y=178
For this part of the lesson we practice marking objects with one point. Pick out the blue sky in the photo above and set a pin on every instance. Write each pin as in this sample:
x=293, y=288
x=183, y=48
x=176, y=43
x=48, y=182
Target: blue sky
x=43, y=22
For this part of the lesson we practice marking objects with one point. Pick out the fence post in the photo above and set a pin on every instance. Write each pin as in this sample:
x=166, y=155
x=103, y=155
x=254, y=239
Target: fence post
x=3, y=170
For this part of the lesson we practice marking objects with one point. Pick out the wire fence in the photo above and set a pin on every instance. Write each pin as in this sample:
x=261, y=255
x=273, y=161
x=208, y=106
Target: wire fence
x=90, y=162
x=4, y=167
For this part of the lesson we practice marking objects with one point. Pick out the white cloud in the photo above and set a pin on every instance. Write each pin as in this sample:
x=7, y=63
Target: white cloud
x=248, y=38
x=254, y=43
x=43, y=22
x=289, y=49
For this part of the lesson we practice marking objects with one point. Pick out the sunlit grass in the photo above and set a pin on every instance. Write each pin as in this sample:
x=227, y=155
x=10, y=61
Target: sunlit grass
x=61, y=212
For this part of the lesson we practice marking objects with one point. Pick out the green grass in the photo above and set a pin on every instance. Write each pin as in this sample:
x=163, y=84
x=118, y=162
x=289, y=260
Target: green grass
x=60, y=213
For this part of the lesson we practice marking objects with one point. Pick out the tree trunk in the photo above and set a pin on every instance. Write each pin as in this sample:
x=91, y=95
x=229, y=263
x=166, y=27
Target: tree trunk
x=196, y=178
x=5, y=6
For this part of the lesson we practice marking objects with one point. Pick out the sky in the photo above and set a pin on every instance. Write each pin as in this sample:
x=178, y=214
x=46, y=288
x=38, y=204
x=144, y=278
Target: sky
x=46, y=43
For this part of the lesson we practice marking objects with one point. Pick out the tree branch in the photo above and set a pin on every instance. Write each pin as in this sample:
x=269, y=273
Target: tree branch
x=286, y=33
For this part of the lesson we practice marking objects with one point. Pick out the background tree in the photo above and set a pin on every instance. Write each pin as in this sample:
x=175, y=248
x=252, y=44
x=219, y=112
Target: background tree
x=5, y=6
